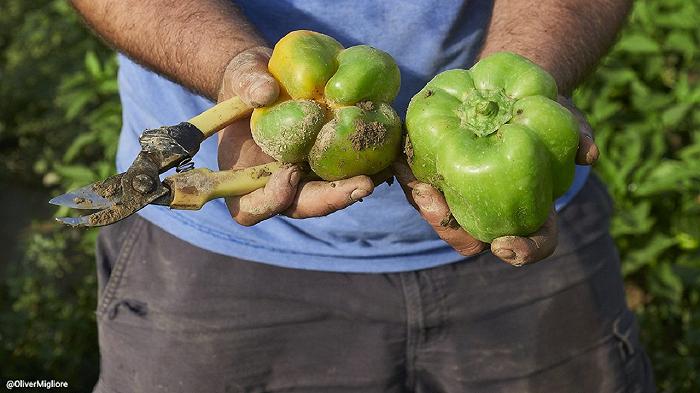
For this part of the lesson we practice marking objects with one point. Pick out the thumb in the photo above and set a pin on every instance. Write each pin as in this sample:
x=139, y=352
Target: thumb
x=247, y=76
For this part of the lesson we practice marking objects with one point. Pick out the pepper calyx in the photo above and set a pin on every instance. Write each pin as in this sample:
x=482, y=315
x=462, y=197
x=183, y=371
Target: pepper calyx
x=483, y=112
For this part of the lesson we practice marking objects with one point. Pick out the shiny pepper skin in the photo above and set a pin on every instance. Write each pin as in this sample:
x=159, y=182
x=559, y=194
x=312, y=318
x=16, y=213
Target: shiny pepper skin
x=494, y=140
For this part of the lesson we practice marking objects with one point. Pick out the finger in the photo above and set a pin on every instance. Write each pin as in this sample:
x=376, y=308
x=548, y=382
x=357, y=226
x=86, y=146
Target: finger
x=588, y=151
x=519, y=251
x=263, y=203
x=433, y=207
x=247, y=76
x=403, y=172
x=406, y=179
x=431, y=204
x=320, y=198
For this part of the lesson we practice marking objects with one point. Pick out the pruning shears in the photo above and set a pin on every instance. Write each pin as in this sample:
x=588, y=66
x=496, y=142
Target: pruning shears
x=164, y=148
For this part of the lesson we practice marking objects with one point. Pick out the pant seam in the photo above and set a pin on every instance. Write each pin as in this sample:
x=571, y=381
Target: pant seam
x=113, y=283
x=414, y=324
x=439, y=298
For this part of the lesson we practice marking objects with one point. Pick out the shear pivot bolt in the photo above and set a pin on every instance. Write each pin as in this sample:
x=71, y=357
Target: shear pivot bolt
x=142, y=183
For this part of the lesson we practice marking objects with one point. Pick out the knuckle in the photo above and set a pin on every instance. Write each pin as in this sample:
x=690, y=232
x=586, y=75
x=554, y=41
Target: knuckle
x=348, y=185
x=471, y=248
x=279, y=203
x=334, y=206
x=250, y=79
x=335, y=201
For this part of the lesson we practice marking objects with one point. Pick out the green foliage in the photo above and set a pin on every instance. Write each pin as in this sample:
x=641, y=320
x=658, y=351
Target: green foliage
x=59, y=121
x=643, y=102
x=47, y=327
x=60, y=115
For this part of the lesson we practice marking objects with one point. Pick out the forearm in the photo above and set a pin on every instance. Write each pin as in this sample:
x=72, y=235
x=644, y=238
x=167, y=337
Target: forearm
x=189, y=41
x=566, y=37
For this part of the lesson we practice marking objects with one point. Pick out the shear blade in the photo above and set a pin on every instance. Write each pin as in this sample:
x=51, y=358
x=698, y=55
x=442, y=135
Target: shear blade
x=81, y=199
x=100, y=195
x=100, y=218
x=73, y=221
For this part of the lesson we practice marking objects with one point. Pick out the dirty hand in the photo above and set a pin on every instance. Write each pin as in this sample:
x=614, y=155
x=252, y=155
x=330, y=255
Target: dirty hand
x=285, y=193
x=515, y=250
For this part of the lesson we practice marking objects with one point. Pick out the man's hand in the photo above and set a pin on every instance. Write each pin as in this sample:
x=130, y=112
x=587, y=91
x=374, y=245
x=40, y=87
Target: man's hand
x=515, y=250
x=286, y=193
x=566, y=38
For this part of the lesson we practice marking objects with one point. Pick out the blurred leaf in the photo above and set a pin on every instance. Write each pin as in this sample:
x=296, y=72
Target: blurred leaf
x=665, y=282
x=647, y=255
x=643, y=104
x=669, y=175
x=675, y=114
x=80, y=141
x=77, y=104
x=75, y=174
x=638, y=44
x=92, y=64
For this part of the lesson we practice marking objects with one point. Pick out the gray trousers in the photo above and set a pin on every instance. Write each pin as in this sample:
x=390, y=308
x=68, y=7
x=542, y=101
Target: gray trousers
x=175, y=318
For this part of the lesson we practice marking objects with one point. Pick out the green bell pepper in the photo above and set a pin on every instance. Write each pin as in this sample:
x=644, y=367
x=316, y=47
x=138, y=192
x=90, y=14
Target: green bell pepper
x=494, y=140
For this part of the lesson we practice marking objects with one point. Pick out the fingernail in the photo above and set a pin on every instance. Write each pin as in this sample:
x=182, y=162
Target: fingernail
x=294, y=178
x=592, y=155
x=504, y=253
x=261, y=92
x=358, y=194
x=421, y=196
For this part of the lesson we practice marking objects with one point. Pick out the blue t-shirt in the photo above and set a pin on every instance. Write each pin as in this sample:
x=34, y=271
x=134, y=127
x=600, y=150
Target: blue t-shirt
x=383, y=233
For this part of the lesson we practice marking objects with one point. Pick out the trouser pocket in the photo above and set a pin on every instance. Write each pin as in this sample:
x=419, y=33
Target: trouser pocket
x=115, y=245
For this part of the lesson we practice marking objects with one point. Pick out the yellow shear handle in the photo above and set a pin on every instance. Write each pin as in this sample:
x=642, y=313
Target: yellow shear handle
x=192, y=189
x=220, y=115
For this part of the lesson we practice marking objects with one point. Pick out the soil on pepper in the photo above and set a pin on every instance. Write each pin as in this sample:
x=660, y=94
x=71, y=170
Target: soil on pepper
x=366, y=105
x=408, y=150
x=304, y=131
x=326, y=136
x=367, y=135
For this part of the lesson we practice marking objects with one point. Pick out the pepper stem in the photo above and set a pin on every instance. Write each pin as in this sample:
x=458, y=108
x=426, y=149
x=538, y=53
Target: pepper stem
x=487, y=108
x=485, y=111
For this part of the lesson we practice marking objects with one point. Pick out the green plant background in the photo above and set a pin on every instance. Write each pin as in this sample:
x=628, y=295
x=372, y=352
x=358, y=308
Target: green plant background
x=60, y=119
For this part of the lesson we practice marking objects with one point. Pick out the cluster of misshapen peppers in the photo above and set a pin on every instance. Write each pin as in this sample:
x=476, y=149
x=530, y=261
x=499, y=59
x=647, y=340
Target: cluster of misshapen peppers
x=333, y=111
x=492, y=138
